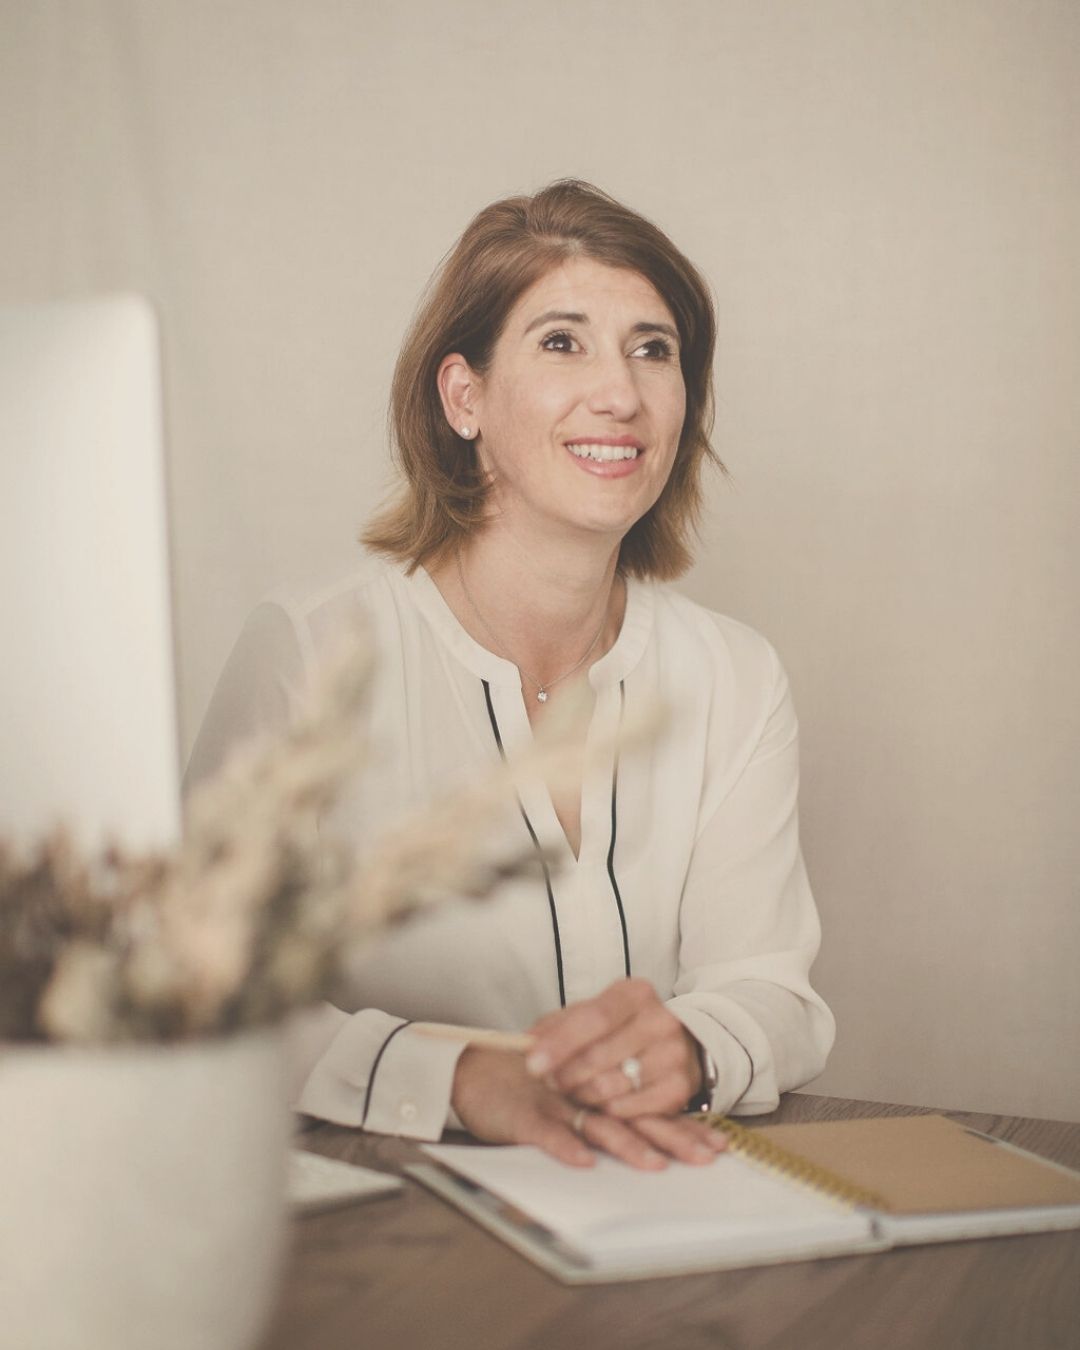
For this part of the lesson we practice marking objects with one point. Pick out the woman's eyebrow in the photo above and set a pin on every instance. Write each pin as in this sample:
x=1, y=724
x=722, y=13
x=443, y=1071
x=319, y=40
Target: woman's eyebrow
x=665, y=328
x=567, y=316
x=556, y=316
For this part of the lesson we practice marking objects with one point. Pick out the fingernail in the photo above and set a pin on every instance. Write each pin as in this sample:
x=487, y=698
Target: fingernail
x=538, y=1062
x=702, y=1153
x=654, y=1159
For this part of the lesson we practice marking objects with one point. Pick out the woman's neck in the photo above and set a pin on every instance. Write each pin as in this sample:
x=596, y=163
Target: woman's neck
x=543, y=607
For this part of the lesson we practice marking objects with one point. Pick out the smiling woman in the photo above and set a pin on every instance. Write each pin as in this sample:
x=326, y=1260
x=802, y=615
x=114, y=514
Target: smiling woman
x=551, y=410
x=578, y=382
x=508, y=249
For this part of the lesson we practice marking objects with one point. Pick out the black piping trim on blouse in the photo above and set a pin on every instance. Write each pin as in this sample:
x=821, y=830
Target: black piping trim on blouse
x=611, y=846
x=539, y=851
x=374, y=1069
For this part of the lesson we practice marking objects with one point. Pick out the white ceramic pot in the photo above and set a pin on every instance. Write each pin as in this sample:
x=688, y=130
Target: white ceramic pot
x=141, y=1194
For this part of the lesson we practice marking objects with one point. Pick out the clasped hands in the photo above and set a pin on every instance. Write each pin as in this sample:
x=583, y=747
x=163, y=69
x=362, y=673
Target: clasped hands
x=572, y=1094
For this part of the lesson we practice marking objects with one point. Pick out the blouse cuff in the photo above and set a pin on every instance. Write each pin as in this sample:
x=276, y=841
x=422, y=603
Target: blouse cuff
x=378, y=1075
x=409, y=1092
x=734, y=1067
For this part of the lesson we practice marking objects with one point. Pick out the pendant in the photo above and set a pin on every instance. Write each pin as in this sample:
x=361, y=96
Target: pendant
x=541, y=695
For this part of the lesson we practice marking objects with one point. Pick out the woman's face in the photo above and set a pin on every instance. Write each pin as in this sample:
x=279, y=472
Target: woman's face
x=582, y=406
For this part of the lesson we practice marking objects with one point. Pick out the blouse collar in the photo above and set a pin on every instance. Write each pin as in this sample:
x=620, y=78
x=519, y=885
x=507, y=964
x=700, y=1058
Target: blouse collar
x=612, y=667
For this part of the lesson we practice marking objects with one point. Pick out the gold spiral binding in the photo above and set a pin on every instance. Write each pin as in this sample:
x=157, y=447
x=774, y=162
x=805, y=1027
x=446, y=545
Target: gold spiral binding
x=775, y=1158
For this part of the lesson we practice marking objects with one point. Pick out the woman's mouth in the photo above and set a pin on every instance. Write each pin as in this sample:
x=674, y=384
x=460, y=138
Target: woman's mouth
x=602, y=451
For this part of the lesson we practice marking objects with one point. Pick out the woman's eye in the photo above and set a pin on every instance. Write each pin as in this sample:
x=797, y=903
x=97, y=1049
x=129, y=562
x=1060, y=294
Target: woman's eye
x=558, y=342
x=656, y=349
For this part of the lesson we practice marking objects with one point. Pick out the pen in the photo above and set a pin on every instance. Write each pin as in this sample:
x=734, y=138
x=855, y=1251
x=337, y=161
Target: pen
x=492, y=1040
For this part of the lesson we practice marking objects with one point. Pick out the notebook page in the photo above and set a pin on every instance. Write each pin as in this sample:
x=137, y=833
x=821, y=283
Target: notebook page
x=611, y=1210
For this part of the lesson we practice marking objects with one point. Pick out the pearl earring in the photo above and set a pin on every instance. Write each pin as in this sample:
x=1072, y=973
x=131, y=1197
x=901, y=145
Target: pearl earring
x=466, y=432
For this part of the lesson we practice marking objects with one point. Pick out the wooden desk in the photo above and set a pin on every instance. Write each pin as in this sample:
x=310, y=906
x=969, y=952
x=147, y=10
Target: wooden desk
x=411, y=1273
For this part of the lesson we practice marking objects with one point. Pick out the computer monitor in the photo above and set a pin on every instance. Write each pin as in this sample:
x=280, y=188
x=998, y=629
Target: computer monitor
x=87, y=694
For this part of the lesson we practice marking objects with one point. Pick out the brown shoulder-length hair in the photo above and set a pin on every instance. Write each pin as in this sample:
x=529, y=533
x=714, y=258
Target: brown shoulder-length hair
x=504, y=250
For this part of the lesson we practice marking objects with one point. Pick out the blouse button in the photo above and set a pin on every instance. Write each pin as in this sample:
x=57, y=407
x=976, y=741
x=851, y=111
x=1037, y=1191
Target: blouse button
x=408, y=1110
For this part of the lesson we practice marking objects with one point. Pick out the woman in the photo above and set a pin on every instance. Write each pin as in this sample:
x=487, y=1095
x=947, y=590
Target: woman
x=551, y=407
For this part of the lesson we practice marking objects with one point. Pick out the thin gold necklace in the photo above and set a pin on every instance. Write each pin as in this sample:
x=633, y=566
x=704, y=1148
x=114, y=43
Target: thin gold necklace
x=541, y=689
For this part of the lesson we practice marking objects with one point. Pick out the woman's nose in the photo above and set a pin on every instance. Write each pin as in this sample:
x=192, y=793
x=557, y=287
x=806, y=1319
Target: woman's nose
x=613, y=390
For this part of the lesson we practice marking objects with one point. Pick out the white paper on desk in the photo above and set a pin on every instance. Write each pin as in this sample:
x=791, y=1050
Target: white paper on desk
x=316, y=1182
x=615, y=1215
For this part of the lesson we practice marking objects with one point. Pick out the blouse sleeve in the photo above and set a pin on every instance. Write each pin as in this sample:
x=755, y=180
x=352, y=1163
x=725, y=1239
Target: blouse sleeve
x=749, y=928
x=365, y=1068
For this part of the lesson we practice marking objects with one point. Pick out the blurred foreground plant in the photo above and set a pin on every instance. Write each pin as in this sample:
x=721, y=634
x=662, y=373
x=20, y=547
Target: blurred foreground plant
x=256, y=911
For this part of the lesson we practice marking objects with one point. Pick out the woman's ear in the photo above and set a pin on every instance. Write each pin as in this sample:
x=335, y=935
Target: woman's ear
x=458, y=388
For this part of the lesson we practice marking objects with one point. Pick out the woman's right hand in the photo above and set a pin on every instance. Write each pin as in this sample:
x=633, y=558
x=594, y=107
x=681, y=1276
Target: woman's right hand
x=498, y=1102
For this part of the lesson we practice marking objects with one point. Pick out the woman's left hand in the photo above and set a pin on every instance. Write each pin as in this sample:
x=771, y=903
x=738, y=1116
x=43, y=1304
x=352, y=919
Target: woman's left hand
x=622, y=1053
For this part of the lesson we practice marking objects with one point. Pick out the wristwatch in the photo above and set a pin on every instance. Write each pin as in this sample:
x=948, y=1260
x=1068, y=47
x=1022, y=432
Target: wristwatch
x=701, y=1101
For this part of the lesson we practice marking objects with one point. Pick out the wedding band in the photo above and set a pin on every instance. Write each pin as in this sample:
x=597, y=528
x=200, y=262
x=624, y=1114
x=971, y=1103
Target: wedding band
x=579, y=1120
x=631, y=1067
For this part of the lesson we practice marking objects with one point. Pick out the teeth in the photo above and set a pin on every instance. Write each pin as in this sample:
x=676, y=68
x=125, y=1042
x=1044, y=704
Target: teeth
x=584, y=450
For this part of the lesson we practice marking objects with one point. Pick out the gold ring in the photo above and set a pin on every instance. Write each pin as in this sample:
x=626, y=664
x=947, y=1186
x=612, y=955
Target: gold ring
x=579, y=1120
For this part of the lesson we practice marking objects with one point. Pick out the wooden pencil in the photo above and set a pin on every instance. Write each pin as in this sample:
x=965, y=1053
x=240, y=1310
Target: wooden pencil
x=492, y=1040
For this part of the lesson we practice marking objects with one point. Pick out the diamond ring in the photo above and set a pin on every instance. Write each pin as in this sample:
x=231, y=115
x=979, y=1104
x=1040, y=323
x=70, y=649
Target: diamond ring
x=631, y=1067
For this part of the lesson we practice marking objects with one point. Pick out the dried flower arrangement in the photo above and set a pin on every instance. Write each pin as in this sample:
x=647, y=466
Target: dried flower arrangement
x=255, y=912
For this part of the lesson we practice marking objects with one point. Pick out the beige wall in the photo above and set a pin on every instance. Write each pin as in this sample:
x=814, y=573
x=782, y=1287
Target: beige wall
x=886, y=197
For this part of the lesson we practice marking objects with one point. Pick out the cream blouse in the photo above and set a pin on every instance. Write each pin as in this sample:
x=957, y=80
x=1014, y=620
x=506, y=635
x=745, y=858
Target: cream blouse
x=689, y=871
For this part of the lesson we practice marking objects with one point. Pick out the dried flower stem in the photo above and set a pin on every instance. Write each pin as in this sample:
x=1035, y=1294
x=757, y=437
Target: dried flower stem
x=255, y=912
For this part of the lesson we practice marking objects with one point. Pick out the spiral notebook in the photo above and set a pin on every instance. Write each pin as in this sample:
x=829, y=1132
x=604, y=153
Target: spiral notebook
x=780, y=1193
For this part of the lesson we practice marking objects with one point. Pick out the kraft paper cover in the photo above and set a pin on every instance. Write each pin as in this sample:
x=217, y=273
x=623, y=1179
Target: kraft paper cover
x=928, y=1164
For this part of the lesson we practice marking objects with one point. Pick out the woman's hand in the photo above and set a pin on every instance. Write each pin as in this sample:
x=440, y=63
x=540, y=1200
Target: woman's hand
x=622, y=1052
x=498, y=1101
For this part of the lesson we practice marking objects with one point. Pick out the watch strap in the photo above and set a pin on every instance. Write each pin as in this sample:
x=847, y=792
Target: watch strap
x=701, y=1101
